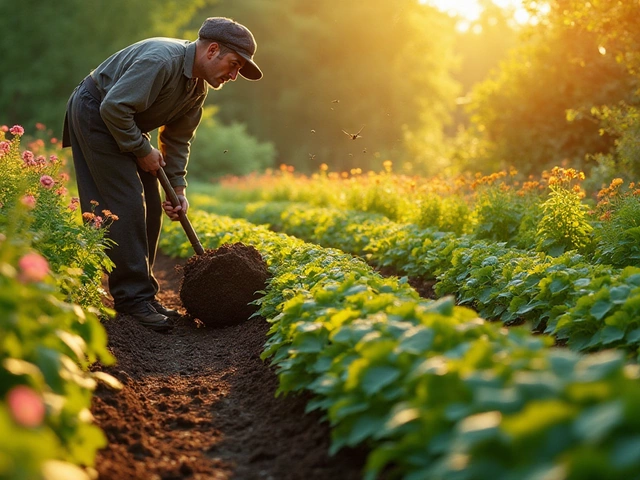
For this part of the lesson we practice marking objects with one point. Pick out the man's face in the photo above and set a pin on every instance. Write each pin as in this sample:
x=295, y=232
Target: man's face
x=221, y=69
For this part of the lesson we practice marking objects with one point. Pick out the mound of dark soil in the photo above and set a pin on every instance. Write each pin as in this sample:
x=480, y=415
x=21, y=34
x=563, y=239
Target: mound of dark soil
x=218, y=287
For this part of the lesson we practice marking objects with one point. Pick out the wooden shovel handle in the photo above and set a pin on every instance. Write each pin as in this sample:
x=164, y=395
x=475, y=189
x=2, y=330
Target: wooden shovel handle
x=184, y=221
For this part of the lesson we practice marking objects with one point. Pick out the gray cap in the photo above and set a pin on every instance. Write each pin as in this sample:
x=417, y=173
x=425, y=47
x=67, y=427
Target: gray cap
x=235, y=36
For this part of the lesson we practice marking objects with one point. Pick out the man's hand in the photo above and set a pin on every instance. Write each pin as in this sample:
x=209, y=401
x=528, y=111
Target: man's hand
x=170, y=210
x=152, y=162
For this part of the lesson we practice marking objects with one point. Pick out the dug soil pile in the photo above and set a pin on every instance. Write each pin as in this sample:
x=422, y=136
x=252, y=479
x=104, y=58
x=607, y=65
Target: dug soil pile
x=218, y=286
x=198, y=403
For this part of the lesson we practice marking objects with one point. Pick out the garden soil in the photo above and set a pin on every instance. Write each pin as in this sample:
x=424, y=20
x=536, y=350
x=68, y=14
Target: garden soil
x=199, y=403
x=218, y=286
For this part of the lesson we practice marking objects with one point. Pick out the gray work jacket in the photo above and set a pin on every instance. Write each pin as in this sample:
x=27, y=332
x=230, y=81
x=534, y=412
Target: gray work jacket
x=150, y=85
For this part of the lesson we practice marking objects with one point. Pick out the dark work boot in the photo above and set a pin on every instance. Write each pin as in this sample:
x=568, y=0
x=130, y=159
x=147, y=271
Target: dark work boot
x=149, y=317
x=168, y=312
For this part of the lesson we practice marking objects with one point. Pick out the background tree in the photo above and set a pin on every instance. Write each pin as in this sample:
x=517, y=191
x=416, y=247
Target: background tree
x=48, y=47
x=616, y=26
x=345, y=64
x=520, y=114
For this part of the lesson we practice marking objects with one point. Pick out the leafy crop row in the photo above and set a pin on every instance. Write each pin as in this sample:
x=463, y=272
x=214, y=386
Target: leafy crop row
x=590, y=307
x=552, y=214
x=432, y=390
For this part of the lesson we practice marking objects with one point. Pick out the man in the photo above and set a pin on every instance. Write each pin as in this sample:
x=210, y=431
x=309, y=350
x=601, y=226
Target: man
x=156, y=83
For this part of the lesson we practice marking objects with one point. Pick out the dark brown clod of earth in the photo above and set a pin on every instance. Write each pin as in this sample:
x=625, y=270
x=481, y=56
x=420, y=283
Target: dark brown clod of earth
x=218, y=286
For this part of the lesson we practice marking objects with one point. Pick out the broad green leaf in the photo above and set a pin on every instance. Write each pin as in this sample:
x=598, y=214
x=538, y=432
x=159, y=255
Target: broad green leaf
x=595, y=423
x=416, y=341
x=610, y=334
x=600, y=309
x=376, y=378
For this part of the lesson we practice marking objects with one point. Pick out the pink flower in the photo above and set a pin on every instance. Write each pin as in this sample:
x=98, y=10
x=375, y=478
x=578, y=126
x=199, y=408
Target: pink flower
x=26, y=406
x=28, y=158
x=73, y=206
x=16, y=130
x=28, y=201
x=61, y=191
x=33, y=267
x=97, y=221
x=4, y=147
x=54, y=159
x=4, y=128
x=46, y=181
x=41, y=160
x=64, y=177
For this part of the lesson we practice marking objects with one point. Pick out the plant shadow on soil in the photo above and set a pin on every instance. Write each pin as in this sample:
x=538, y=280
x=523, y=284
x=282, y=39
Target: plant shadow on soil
x=199, y=403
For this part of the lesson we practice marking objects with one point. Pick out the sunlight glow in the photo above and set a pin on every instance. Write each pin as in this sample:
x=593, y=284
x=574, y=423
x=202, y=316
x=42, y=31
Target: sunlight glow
x=470, y=10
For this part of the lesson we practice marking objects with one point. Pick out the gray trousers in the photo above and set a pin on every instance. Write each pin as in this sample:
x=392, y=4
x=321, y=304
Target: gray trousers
x=113, y=179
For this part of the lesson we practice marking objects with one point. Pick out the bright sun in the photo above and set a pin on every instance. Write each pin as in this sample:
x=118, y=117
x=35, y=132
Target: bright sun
x=470, y=10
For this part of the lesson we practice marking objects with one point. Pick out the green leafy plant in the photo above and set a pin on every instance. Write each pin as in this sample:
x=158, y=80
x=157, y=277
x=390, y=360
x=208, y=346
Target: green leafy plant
x=618, y=232
x=564, y=225
x=47, y=341
x=34, y=202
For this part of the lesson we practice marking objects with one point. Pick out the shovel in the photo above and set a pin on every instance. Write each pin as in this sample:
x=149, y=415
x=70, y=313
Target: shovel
x=184, y=221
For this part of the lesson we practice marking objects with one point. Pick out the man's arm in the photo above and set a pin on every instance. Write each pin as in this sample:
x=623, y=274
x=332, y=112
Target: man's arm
x=134, y=92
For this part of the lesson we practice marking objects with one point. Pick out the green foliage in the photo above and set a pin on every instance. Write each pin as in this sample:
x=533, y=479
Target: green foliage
x=343, y=63
x=564, y=224
x=46, y=347
x=498, y=214
x=618, y=234
x=608, y=317
x=69, y=38
x=220, y=150
x=423, y=384
x=75, y=250
x=47, y=342
x=521, y=109
x=446, y=214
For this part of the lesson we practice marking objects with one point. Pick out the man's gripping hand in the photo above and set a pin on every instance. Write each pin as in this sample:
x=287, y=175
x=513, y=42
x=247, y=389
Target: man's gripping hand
x=151, y=162
x=170, y=210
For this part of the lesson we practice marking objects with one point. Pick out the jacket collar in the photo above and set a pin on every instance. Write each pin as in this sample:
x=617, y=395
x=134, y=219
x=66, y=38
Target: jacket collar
x=189, y=59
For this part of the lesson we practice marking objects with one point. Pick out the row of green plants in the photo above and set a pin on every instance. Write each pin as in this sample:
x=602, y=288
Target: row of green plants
x=589, y=307
x=551, y=214
x=430, y=388
x=50, y=307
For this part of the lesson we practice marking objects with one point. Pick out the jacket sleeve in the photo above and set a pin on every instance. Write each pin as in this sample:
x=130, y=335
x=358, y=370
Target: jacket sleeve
x=134, y=92
x=174, y=141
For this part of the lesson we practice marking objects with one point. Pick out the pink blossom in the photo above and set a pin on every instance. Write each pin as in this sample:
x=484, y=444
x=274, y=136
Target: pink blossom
x=33, y=267
x=16, y=130
x=28, y=158
x=4, y=147
x=4, y=128
x=64, y=177
x=26, y=406
x=73, y=206
x=53, y=159
x=46, y=181
x=62, y=191
x=28, y=201
x=97, y=221
x=41, y=160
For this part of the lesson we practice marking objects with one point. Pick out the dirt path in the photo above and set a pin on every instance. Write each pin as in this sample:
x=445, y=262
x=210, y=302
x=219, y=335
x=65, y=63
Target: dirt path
x=198, y=403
